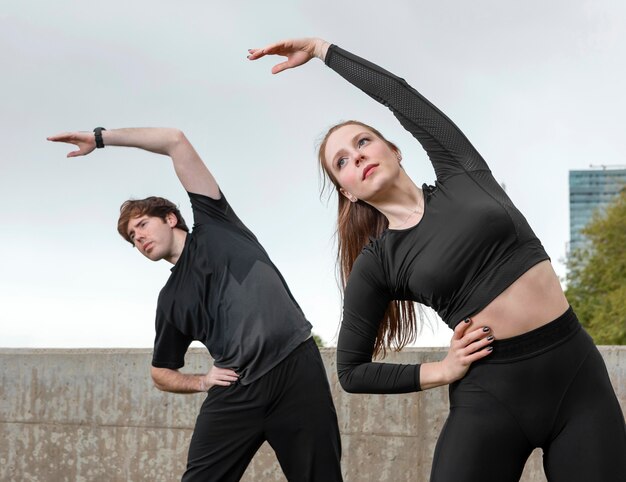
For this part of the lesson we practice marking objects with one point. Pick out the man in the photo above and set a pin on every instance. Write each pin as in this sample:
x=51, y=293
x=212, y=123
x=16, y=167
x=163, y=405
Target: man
x=268, y=381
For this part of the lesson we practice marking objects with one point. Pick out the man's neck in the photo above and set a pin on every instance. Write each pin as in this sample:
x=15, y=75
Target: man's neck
x=179, y=244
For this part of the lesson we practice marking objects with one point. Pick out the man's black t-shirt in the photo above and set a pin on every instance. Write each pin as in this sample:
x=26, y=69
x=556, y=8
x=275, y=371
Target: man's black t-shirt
x=225, y=292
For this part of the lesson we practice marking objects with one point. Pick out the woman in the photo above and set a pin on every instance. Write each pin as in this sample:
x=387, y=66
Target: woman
x=463, y=248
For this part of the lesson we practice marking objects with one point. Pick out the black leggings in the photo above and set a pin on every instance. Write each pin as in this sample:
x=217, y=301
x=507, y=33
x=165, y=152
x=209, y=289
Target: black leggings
x=548, y=388
x=290, y=407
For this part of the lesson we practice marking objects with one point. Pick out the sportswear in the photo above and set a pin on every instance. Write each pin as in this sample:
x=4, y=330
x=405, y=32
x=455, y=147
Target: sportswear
x=225, y=292
x=290, y=407
x=546, y=388
x=470, y=245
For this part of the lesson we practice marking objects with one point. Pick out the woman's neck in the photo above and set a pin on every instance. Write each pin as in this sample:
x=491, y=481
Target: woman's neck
x=402, y=204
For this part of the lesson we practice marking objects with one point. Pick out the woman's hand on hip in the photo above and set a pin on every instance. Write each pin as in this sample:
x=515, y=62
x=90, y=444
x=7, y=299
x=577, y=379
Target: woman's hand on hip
x=468, y=344
x=297, y=51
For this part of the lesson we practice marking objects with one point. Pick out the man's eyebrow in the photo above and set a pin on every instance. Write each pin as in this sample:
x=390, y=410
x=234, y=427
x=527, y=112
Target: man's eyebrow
x=132, y=230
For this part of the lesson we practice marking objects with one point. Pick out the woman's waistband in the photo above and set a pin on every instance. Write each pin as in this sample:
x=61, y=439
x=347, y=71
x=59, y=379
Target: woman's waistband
x=536, y=341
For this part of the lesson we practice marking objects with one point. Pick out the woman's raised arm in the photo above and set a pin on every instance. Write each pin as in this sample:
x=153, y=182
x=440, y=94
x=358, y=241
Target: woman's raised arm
x=297, y=51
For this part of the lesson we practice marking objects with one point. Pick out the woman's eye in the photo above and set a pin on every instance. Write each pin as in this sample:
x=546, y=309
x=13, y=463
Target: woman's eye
x=341, y=162
x=362, y=141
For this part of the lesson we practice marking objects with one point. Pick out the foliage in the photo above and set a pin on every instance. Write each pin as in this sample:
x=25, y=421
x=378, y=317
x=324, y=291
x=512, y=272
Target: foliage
x=318, y=341
x=597, y=276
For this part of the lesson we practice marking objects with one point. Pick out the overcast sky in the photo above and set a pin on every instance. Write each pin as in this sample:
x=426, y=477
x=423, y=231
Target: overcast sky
x=537, y=86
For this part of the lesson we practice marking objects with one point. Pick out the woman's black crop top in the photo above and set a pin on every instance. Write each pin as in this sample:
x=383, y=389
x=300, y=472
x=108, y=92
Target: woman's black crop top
x=470, y=245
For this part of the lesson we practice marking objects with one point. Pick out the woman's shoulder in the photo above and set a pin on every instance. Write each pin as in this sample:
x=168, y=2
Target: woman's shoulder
x=371, y=259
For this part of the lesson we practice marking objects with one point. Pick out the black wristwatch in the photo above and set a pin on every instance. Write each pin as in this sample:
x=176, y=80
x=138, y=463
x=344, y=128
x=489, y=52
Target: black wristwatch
x=97, y=132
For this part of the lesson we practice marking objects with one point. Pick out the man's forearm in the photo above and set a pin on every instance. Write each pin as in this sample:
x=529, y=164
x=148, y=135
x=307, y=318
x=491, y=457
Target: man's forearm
x=160, y=140
x=174, y=381
x=190, y=169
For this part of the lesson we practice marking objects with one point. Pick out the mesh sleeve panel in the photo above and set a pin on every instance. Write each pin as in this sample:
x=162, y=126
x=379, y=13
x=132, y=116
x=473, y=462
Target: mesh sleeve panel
x=447, y=147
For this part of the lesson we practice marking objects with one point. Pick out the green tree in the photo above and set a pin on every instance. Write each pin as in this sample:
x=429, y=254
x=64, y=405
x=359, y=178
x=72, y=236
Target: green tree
x=596, y=278
x=318, y=340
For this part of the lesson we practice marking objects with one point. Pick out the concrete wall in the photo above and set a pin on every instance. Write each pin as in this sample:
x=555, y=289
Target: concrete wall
x=93, y=415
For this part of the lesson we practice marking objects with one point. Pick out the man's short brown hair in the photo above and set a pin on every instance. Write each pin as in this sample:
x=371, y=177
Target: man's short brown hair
x=150, y=206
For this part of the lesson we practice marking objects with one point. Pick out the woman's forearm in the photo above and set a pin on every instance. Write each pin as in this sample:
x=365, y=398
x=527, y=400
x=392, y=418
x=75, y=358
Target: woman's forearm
x=432, y=375
x=321, y=48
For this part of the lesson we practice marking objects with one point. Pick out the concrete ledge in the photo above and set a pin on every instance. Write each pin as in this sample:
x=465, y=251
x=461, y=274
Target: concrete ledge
x=93, y=415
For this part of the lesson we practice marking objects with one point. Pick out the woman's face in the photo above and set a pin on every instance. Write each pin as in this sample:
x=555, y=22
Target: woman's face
x=362, y=163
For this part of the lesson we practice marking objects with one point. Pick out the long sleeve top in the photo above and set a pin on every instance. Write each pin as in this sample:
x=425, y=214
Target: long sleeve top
x=470, y=245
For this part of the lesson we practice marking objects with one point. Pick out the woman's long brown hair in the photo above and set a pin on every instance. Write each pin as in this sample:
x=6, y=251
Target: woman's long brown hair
x=357, y=222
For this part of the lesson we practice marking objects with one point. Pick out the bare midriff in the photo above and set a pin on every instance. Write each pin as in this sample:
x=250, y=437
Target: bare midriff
x=533, y=300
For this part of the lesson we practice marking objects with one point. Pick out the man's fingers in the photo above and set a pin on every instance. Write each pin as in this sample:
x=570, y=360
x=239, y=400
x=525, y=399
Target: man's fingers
x=59, y=137
x=220, y=372
x=228, y=376
x=225, y=380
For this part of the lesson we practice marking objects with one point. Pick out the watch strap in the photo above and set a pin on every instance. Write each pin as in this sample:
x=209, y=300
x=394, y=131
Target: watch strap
x=97, y=132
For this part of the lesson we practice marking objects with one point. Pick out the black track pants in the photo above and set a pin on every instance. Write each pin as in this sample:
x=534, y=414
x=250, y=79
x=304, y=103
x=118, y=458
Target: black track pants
x=548, y=388
x=290, y=407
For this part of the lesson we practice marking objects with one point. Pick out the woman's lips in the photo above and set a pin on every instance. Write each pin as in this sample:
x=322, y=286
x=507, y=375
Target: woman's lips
x=368, y=169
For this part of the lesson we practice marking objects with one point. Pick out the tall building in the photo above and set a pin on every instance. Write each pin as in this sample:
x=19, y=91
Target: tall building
x=590, y=190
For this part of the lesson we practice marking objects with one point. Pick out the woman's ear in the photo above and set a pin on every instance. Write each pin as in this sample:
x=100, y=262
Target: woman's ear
x=350, y=197
x=398, y=154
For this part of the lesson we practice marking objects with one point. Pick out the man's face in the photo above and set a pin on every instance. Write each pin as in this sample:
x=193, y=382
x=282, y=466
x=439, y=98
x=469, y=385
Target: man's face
x=152, y=236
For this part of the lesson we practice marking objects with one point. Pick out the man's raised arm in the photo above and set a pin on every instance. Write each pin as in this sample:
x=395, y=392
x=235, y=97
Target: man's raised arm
x=190, y=169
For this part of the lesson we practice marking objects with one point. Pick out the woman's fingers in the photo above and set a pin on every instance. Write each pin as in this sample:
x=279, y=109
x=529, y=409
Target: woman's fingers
x=476, y=341
x=298, y=52
x=282, y=66
x=461, y=328
x=254, y=54
x=467, y=346
x=468, y=342
x=278, y=48
x=477, y=355
x=475, y=334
